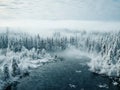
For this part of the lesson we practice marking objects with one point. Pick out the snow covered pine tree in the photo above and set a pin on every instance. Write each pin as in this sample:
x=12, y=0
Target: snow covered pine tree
x=6, y=72
x=15, y=68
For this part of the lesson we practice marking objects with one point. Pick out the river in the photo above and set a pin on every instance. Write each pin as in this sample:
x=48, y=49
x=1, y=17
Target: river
x=69, y=74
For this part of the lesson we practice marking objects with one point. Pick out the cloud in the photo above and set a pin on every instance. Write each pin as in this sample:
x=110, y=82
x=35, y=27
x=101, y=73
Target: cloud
x=102, y=10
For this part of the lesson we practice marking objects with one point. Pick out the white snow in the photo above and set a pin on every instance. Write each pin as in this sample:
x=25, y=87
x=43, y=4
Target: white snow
x=115, y=83
x=78, y=71
x=25, y=61
x=103, y=86
x=72, y=85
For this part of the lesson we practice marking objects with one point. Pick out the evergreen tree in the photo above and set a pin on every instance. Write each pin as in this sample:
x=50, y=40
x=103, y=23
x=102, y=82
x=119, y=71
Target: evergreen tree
x=6, y=72
x=15, y=68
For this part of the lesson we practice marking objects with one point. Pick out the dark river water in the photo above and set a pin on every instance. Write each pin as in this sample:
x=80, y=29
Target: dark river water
x=69, y=74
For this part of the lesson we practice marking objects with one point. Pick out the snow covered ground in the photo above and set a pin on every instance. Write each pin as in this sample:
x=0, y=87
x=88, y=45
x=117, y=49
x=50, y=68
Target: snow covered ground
x=22, y=62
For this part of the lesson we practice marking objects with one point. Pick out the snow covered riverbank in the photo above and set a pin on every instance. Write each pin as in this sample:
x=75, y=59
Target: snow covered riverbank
x=14, y=66
x=99, y=64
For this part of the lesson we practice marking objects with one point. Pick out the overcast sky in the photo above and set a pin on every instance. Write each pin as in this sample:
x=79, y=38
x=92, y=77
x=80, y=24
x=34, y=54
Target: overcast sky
x=32, y=11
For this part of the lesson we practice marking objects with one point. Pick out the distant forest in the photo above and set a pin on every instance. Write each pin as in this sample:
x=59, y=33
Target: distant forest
x=15, y=41
x=99, y=42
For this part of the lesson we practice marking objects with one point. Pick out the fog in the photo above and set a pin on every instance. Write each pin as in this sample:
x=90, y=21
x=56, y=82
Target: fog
x=35, y=16
x=34, y=26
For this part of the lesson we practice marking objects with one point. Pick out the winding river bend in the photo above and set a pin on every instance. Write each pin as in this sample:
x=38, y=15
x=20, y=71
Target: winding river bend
x=69, y=74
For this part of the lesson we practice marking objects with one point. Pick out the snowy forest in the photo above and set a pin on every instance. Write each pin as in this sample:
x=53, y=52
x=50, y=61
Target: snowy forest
x=21, y=52
x=59, y=44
